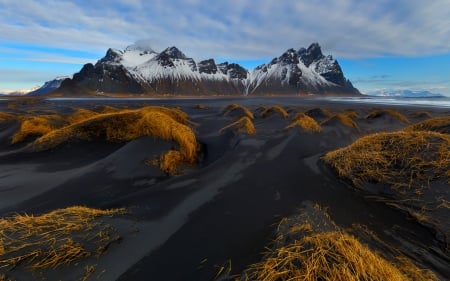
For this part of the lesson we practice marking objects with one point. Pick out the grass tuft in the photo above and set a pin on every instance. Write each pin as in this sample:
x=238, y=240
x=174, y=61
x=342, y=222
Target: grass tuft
x=330, y=256
x=5, y=116
x=237, y=107
x=421, y=114
x=437, y=124
x=401, y=159
x=37, y=126
x=81, y=114
x=270, y=110
x=344, y=118
x=167, y=123
x=53, y=239
x=391, y=112
x=305, y=122
x=242, y=125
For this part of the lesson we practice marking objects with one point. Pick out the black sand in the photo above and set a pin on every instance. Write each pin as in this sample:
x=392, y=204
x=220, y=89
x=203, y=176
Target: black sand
x=222, y=211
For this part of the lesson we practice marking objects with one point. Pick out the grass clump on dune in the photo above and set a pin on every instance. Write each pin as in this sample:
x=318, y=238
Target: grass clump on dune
x=437, y=124
x=53, y=239
x=5, y=116
x=37, y=126
x=305, y=122
x=421, y=114
x=401, y=159
x=80, y=114
x=237, y=107
x=242, y=125
x=166, y=123
x=344, y=118
x=330, y=256
x=270, y=110
x=391, y=112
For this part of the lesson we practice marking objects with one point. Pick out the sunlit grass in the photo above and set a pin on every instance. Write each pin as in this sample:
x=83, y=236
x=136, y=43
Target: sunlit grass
x=391, y=112
x=343, y=118
x=305, y=122
x=170, y=124
x=37, y=126
x=5, y=116
x=242, y=125
x=331, y=256
x=274, y=109
x=437, y=124
x=53, y=239
x=421, y=114
x=234, y=107
x=401, y=159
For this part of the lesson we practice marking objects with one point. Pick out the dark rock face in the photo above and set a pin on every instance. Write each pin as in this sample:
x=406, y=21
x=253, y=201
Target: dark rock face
x=171, y=72
x=107, y=78
x=313, y=53
x=285, y=74
x=207, y=66
x=233, y=70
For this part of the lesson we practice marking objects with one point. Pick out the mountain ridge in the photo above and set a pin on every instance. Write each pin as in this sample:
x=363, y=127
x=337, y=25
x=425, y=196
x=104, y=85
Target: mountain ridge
x=143, y=71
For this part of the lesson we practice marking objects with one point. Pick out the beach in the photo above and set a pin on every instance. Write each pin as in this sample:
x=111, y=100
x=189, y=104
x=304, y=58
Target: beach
x=213, y=217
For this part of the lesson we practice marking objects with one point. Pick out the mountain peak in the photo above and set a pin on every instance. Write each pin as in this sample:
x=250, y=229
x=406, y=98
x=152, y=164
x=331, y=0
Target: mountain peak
x=313, y=53
x=174, y=53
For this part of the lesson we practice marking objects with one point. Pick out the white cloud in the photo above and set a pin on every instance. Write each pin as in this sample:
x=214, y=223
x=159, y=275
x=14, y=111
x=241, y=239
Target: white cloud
x=234, y=29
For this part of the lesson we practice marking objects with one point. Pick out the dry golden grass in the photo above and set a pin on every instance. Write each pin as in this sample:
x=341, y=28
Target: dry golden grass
x=56, y=238
x=319, y=113
x=401, y=159
x=380, y=112
x=276, y=108
x=351, y=114
x=109, y=109
x=344, y=118
x=421, y=114
x=202, y=106
x=242, y=125
x=237, y=107
x=80, y=114
x=5, y=116
x=437, y=124
x=331, y=256
x=37, y=126
x=305, y=122
x=166, y=123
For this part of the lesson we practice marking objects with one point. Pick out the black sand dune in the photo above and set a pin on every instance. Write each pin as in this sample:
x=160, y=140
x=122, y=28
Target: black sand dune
x=216, y=217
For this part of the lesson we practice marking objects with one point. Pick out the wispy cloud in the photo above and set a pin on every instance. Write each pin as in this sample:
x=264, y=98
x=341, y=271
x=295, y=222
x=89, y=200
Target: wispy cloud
x=236, y=29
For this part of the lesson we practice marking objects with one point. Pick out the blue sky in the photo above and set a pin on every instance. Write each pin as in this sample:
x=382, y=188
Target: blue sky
x=380, y=44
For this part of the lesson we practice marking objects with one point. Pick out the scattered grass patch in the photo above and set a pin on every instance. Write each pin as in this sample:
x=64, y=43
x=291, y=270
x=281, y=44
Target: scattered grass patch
x=401, y=159
x=305, y=122
x=37, y=126
x=242, y=125
x=167, y=123
x=80, y=114
x=319, y=113
x=202, y=106
x=237, y=107
x=53, y=239
x=391, y=112
x=437, y=124
x=421, y=114
x=344, y=118
x=5, y=116
x=330, y=256
x=270, y=110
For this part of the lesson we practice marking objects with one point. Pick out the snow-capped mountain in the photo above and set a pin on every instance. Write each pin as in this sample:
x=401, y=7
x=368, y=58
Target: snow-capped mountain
x=48, y=86
x=19, y=92
x=405, y=94
x=139, y=69
x=300, y=71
